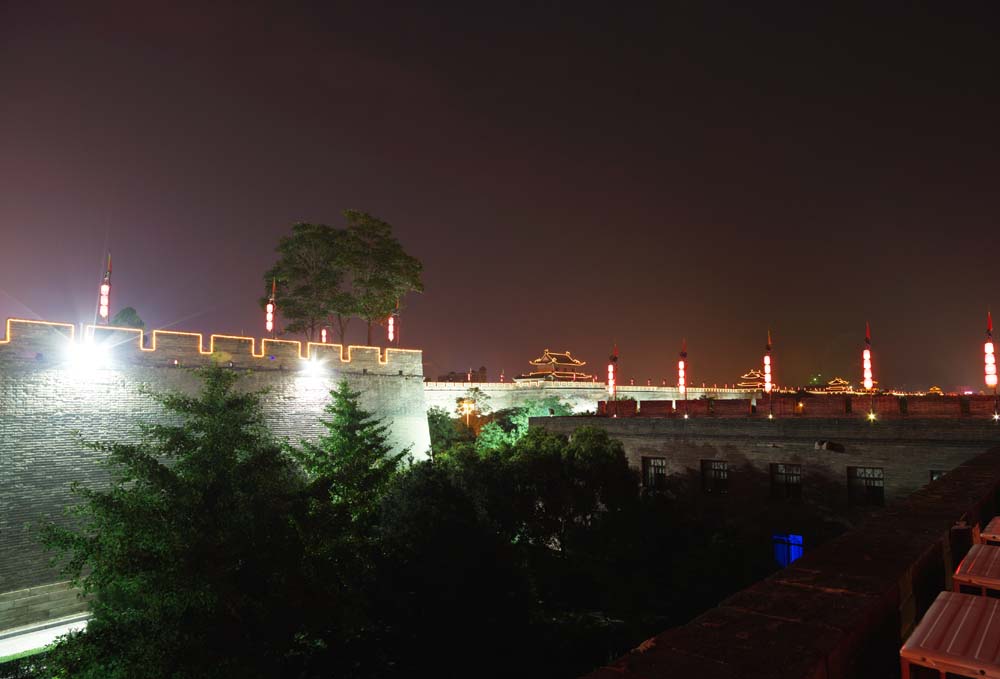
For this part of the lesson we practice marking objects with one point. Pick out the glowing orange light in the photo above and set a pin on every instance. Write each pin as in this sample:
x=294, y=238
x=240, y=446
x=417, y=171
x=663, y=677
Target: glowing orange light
x=104, y=296
x=990, y=357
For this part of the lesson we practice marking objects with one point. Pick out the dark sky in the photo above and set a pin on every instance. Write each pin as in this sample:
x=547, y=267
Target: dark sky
x=570, y=174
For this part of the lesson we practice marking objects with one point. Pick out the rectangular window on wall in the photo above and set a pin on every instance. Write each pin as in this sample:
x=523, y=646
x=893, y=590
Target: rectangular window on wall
x=786, y=481
x=654, y=472
x=866, y=486
x=787, y=548
x=715, y=476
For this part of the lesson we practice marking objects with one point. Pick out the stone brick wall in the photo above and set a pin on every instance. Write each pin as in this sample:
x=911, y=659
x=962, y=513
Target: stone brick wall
x=841, y=611
x=49, y=400
x=907, y=449
x=583, y=396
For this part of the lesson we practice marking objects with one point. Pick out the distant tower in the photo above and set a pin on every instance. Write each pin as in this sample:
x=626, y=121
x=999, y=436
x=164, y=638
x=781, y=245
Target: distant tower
x=613, y=373
x=269, y=309
x=104, y=297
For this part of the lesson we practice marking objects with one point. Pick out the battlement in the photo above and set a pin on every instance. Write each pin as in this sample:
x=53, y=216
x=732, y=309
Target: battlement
x=51, y=343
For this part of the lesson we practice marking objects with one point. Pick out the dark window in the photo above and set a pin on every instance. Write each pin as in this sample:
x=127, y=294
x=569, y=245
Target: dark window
x=787, y=548
x=936, y=474
x=786, y=481
x=866, y=486
x=715, y=476
x=654, y=472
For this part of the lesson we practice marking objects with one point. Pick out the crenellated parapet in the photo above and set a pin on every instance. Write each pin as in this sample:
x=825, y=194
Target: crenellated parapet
x=50, y=343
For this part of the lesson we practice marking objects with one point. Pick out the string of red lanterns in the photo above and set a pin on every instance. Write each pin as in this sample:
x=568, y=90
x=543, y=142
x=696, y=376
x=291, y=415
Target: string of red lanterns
x=991, y=361
x=269, y=309
x=866, y=359
x=767, y=365
x=612, y=369
x=104, y=297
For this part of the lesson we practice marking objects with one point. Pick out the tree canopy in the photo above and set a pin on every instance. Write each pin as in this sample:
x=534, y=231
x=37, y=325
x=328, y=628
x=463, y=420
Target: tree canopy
x=324, y=276
x=127, y=318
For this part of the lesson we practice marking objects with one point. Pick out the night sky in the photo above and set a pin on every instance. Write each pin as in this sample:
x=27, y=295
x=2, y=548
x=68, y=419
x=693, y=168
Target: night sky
x=570, y=175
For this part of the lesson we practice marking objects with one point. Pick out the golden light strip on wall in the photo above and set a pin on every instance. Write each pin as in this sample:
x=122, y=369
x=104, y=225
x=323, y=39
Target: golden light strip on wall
x=90, y=329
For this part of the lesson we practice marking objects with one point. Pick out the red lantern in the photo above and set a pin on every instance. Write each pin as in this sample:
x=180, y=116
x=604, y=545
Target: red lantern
x=767, y=365
x=866, y=360
x=991, y=361
x=612, y=373
x=682, y=370
x=392, y=329
x=269, y=309
x=104, y=298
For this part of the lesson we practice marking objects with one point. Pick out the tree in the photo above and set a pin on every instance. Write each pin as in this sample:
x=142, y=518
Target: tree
x=445, y=430
x=311, y=278
x=189, y=555
x=381, y=271
x=128, y=318
x=349, y=469
x=326, y=276
x=353, y=461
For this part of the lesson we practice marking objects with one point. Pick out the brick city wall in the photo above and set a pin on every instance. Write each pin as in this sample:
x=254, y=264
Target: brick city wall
x=49, y=400
x=843, y=610
x=582, y=396
x=907, y=449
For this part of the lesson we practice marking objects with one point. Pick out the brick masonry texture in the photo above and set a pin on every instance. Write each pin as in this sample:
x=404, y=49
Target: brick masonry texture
x=907, y=449
x=47, y=406
x=841, y=611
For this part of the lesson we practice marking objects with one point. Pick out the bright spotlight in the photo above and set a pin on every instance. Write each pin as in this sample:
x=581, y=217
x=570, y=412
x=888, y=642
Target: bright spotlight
x=871, y=417
x=312, y=367
x=86, y=355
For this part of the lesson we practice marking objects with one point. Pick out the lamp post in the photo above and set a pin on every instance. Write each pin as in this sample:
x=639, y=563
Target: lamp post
x=467, y=407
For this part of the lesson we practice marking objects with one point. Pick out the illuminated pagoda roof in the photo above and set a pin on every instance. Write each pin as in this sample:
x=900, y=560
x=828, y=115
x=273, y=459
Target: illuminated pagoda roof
x=751, y=380
x=556, y=366
x=838, y=384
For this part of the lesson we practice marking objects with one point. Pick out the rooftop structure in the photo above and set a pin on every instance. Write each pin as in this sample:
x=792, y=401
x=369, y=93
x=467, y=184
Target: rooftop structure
x=556, y=366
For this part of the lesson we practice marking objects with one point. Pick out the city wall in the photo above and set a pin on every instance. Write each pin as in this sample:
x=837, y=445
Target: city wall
x=843, y=610
x=56, y=390
x=906, y=449
x=582, y=396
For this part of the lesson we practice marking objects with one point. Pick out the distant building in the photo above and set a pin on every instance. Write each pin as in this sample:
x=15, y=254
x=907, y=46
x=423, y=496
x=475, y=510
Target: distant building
x=751, y=380
x=554, y=366
x=469, y=375
x=838, y=385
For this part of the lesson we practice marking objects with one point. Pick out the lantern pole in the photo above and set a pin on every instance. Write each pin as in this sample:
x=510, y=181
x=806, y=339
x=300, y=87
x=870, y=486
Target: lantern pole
x=269, y=309
x=867, y=374
x=104, y=295
x=991, y=365
x=768, y=385
x=682, y=375
x=613, y=374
